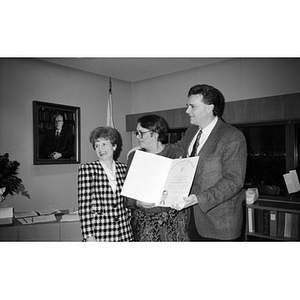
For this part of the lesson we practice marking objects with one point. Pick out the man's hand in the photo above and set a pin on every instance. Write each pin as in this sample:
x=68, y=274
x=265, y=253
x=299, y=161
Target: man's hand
x=188, y=201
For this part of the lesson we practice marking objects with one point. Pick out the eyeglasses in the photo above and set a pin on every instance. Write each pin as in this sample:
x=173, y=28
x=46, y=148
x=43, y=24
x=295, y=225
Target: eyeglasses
x=140, y=134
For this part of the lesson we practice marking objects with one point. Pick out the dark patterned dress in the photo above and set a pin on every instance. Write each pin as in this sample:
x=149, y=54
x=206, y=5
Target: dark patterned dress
x=159, y=223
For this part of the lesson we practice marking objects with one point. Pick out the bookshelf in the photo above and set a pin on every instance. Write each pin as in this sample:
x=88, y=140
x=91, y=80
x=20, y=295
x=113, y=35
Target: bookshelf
x=46, y=119
x=273, y=220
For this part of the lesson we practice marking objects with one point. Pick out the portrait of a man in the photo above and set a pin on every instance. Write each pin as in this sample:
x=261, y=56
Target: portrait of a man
x=59, y=141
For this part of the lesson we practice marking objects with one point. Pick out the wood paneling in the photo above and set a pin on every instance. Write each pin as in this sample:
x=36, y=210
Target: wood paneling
x=276, y=108
x=176, y=118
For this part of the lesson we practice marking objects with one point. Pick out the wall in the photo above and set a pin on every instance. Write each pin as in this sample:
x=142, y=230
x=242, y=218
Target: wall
x=25, y=80
x=237, y=79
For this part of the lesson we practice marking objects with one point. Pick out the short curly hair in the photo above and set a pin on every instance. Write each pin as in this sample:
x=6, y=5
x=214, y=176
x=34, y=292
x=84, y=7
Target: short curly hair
x=156, y=124
x=110, y=134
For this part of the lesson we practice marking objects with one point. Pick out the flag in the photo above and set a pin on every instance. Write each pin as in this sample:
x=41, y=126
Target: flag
x=109, y=117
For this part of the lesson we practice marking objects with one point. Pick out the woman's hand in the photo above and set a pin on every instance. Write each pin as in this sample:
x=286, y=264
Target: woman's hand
x=145, y=204
x=91, y=239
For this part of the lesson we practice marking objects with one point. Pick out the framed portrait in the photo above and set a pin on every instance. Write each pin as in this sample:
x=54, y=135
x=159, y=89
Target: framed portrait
x=56, y=134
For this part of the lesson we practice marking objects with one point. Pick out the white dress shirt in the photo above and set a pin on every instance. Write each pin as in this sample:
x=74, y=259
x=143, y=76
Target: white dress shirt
x=204, y=136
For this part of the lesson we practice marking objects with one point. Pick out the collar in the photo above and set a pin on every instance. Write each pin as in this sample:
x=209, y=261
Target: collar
x=208, y=129
x=111, y=174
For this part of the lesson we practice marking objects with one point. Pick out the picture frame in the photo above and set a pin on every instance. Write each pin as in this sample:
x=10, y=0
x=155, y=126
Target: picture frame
x=56, y=133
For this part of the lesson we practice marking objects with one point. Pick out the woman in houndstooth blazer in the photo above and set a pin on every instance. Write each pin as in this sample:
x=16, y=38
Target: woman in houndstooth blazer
x=101, y=208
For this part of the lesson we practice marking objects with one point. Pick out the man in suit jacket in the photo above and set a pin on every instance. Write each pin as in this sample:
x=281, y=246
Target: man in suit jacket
x=216, y=195
x=59, y=141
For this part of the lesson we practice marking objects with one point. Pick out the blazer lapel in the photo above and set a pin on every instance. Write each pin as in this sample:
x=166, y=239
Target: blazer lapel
x=189, y=138
x=118, y=177
x=101, y=177
x=210, y=143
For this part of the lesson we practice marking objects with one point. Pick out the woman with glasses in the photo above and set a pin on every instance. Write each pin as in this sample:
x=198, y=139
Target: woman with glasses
x=101, y=208
x=151, y=223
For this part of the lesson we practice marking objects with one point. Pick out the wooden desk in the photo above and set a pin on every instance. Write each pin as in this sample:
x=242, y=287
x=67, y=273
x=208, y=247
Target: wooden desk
x=52, y=232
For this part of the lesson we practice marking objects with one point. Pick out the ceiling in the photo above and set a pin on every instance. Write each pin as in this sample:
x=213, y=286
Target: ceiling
x=133, y=69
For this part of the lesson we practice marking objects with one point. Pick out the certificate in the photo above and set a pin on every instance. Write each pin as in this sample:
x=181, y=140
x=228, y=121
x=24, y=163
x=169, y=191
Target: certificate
x=157, y=179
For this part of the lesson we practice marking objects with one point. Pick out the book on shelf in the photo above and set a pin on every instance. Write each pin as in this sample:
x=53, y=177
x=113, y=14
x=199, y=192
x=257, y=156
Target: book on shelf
x=295, y=227
x=287, y=225
x=251, y=222
x=259, y=221
x=273, y=223
x=266, y=222
x=280, y=224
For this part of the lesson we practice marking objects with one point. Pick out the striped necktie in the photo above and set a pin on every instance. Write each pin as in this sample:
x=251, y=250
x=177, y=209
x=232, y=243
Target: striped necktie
x=196, y=144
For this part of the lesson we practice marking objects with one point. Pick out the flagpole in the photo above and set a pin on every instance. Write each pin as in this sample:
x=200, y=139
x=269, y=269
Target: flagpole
x=110, y=85
x=109, y=117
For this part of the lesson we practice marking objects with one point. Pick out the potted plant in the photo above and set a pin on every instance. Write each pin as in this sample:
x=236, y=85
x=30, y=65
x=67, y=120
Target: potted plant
x=10, y=183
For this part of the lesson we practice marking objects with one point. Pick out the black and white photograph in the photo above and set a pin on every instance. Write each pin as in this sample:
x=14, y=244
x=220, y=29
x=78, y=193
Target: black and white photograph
x=149, y=150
